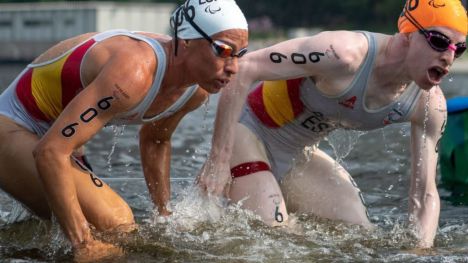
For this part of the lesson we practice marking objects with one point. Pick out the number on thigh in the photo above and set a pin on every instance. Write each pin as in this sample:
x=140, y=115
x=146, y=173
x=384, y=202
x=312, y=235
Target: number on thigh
x=257, y=189
x=259, y=192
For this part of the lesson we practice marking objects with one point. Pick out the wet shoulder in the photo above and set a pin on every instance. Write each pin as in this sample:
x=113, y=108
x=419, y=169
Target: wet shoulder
x=159, y=37
x=345, y=51
x=62, y=47
x=132, y=58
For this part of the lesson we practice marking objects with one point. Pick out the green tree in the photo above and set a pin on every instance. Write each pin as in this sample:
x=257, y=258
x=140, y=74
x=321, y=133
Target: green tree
x=350, y=14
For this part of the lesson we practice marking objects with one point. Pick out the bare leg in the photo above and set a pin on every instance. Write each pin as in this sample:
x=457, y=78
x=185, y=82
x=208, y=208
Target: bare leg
x=261, y=194
x=324, y=188
x=102, y=207
x=258, y=191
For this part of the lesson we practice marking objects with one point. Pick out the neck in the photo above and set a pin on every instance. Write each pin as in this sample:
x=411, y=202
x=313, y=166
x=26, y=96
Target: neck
x=177, y=73
x=390, y=69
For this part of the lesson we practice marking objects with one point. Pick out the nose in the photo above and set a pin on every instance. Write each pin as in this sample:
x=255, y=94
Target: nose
x=448, y=56
x=231, y=66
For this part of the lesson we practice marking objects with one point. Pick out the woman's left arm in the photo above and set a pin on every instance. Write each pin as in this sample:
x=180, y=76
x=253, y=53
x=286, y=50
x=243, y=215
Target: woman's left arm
x=427, y=126
x=155, y=150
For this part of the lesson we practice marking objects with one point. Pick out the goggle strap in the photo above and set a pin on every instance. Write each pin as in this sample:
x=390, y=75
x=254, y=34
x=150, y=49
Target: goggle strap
x=176, y=30
x=413, y=21
x=196, y=27
x=410, y=18
x=176, y=42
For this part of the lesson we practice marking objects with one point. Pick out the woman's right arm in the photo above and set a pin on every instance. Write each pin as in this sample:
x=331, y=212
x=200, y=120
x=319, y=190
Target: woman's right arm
x=81, y=119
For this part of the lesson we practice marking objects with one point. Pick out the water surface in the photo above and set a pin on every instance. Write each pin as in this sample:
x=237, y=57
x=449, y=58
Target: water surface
x=199, y=231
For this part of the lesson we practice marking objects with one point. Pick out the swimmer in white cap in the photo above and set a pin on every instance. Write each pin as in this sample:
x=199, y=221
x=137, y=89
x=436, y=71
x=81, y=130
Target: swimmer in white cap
x=62, y=99
x=311, y=86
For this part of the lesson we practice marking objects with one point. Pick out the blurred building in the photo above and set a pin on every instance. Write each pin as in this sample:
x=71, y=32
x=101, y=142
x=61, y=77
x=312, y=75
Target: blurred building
x=28, y=29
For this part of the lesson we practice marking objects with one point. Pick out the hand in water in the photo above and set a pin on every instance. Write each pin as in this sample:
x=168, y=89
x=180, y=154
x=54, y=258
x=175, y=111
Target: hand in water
x=214, y=179
x=425, y=244
x=163, y=211
x=95, y=250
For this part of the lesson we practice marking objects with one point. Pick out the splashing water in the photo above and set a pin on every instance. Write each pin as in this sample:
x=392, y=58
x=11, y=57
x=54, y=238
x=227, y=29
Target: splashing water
x=343, y=141
x=206, y=111
x=424, y=135
x=31, y=236
x=450, y=78
x=17, y=213
x=117, y=131
x=238, y=236
x=193, y=208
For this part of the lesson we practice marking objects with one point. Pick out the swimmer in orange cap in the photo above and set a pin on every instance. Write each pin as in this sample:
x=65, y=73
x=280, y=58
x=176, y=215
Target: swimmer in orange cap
x=307, y=87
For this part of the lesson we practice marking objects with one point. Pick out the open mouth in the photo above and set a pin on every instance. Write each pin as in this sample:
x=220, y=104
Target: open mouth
x=222, y=82
x=436, y=74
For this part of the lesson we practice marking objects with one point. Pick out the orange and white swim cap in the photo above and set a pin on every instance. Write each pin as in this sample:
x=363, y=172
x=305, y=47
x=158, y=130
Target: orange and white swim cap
x=431, y=13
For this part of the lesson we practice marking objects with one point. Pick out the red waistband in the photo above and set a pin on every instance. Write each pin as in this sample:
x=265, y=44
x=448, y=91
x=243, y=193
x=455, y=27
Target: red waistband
x=249, y=168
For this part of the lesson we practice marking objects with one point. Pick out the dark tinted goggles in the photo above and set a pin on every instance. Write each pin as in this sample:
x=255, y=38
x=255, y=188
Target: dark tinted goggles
x=442, y=43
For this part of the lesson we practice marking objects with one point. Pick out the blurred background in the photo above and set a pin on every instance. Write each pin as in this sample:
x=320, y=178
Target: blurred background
x=28, y=27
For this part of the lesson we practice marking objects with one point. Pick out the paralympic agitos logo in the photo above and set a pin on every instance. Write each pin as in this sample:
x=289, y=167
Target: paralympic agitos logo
x=211, y=11
x=434, y=4
x=208, y=9
x=411, y=5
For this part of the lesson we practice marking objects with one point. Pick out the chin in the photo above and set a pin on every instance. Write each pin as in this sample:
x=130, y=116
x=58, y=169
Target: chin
x=425, y=82
x=425, y=85
x=212, y=89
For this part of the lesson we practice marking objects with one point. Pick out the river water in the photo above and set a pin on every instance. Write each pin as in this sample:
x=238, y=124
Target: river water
x=199, y=231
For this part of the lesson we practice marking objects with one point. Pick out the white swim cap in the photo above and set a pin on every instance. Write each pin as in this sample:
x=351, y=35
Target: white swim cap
x=210, y=16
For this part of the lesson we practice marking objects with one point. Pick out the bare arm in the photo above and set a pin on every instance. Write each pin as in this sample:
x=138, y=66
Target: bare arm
x=317, y=57
x=82, y=118
x=427, y=126
x=155, y=148
x=155, y=151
